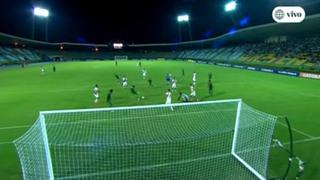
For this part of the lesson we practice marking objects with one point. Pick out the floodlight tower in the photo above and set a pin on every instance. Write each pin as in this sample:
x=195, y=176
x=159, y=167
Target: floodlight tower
x=41, y=13
x=230, y=6
x=184, y=19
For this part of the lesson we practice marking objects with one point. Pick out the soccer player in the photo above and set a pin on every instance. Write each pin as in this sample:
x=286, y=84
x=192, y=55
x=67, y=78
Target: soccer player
x=96, y=93
x=184, y=97
x=174, y=84
x=116, y=62
x=117, y=77
x=150, y=82
x=301, y=168
x=210, y=75
x=168, y=98
x=168, y=77
x=192, y=91
x=144, y=73
x=54, y=68
x=124, y=81
x=42, y=70
x=140, y=64
x=133, y=90
x=109, y=97
x=182, y=72
x=210, y=86
x=194, y=78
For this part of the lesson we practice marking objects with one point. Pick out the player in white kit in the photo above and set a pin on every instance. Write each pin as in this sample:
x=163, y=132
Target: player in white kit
x=192, y=90
x=194, y=78
x=96, y=93
x=124, y=81
x=42, y=70
x=144, y=73
x=174, y=84
x=169, y=98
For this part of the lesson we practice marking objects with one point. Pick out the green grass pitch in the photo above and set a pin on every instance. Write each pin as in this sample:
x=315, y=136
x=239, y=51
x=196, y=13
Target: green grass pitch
x=25, y=92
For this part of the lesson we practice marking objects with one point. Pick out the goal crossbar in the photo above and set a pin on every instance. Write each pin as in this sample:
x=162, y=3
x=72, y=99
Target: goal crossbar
x=140, y=107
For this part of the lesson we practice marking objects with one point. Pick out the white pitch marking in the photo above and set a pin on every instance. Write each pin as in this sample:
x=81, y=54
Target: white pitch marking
x=296, y=130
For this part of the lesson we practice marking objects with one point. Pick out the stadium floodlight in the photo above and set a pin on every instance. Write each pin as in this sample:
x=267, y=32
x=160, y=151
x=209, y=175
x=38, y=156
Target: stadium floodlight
x=148, y=141
x=117, y=45
x=183, y=18
x=230, y=6
x=41, y=12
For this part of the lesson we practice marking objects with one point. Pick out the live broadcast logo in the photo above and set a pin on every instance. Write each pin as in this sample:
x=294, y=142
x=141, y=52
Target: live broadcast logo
x=288, y=14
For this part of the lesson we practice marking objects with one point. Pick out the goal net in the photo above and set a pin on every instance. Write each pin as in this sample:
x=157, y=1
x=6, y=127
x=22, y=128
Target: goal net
x=120, y=58
x=224, y=139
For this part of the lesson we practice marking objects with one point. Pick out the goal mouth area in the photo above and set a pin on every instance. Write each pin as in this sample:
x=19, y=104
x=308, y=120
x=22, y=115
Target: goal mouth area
x=197, y=139
x=143, y=125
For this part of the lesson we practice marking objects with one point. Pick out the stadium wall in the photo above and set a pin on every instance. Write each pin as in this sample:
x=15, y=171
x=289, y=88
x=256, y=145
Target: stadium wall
x=260, y=69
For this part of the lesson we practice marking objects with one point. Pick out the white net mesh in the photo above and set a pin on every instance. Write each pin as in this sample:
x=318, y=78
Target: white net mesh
x=191, y=142
x=254, y=138
x=120, y=57
x=31, y=150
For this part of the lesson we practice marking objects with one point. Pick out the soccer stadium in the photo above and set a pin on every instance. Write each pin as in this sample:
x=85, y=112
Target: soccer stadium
x=237, y=98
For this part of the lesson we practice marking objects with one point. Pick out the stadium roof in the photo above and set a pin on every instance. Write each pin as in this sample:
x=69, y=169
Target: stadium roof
x=309, y=26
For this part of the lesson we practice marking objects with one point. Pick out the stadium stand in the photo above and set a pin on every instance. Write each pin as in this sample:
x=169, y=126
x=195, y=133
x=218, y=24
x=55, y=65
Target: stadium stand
x=264, y=45
x=10, y=55
x=298, y=53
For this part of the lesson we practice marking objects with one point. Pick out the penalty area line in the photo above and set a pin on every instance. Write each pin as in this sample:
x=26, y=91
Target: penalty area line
x=304, y=140
x=296, y=130
x=15, y=127
x=2, y=143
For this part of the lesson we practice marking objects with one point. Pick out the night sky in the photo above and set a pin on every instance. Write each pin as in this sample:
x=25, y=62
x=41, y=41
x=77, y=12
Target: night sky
x=137, y=21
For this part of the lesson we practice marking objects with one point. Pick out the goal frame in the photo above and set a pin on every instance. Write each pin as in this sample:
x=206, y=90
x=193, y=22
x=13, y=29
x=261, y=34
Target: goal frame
x=120, y=58
x=234, y=140
x=46, y=145
x=234, y=143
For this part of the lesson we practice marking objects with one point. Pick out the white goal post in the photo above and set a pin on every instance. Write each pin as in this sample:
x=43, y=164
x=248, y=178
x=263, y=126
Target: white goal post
x=120, y=57
x=224, y=139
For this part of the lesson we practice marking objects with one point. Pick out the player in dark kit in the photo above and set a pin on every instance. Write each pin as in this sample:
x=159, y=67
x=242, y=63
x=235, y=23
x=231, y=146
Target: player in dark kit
x=210, y=86
x=184, y=97
x=182, y=72
x=210, y=75
x=54, y=68
x=117, y=76
x=109, y=97
x=133, y=90
x=168, y=78
x=150, y=82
